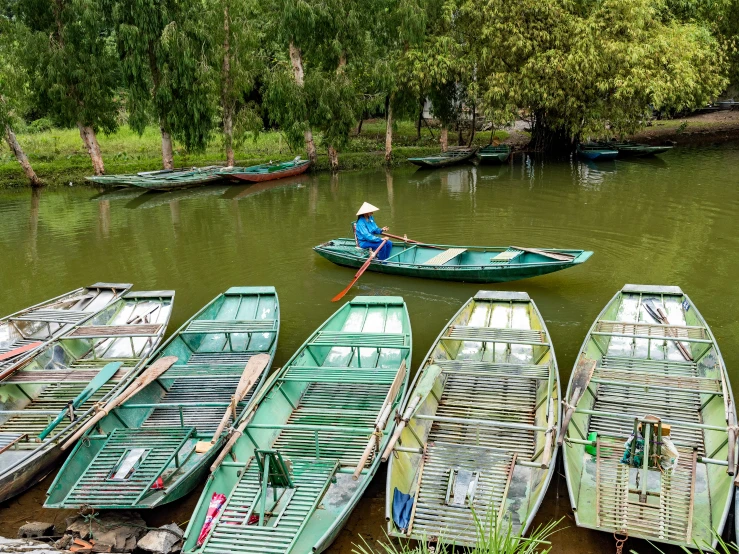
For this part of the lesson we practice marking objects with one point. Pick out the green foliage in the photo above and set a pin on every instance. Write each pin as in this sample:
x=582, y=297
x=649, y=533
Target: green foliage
x=14, y=82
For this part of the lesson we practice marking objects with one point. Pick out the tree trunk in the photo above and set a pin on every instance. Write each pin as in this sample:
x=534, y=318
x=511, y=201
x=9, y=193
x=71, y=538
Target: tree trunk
x=460, y=134
x=89, y=139
x=389, y=134
x=167, y=151
x=547, y=139
x=361, y=121
x=474, y=126
x=444, y=138
x=419, y=122
x=296, y=59
x=228, y=105
x=20, y=155
x=333, y=158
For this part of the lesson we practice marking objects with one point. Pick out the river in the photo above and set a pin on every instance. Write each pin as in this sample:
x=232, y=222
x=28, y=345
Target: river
x=669, y=220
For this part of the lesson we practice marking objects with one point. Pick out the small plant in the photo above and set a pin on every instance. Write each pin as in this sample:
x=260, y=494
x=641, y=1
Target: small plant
x=722, y=547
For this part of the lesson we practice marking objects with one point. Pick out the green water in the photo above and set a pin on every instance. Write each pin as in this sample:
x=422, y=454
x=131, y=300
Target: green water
x=668, y=220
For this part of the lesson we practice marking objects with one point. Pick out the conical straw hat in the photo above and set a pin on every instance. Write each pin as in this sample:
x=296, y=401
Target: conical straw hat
x=367, y=208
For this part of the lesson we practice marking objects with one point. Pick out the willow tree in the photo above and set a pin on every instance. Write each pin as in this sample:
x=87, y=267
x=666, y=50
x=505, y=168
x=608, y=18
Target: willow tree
x=589, y=68
x=165, y=49
x=72, y=65
x=14, y=92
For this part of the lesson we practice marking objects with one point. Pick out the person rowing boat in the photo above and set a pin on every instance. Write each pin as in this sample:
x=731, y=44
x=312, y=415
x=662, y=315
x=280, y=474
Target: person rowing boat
x=367, y=231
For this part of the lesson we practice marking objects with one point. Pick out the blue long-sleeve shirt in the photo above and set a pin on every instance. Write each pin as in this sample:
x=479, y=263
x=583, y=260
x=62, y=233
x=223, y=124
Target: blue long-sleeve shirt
x=367, y=229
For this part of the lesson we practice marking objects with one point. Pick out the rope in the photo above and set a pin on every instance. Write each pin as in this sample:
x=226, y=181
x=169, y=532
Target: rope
x=620, y=542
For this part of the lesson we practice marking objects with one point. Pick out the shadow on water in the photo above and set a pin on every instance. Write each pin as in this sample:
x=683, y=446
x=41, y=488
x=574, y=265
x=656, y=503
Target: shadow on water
x=669, y=221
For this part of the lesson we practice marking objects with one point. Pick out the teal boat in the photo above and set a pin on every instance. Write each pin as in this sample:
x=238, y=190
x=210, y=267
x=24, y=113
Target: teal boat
x=303, y=458
x=596, y=152
x=470, y=264
x=650, y=379
x=25, y=332
x=147, y=452
x=53, y=394
x=163, y=179
x=266, y=172
x=476, y=444
x=445, y=159
x=628, y=149
x=494, y=154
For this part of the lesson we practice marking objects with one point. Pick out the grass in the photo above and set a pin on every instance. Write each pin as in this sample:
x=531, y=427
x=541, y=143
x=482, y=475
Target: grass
x=58, y=157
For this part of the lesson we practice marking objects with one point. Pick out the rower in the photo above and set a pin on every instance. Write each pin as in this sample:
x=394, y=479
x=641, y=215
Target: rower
x=367, y=232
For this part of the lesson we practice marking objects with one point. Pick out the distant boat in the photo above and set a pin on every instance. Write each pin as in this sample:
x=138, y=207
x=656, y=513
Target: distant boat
x=596, y=152
x=635, y=149
x=163, y=179
x=266, y=172
x=445, y=159
x=494, y=154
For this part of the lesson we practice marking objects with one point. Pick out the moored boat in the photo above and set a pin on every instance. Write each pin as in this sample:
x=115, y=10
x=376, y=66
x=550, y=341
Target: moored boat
x=49, y=397
x=445, y=159
x=266, y=172
x=164, y=179
x=494, y=154
x=628, y=149
x=477, y=448
x=157, y=445
x=472, y=264
x=596, y=152
x=650, y=444
x=24, y=332
x=305, y=454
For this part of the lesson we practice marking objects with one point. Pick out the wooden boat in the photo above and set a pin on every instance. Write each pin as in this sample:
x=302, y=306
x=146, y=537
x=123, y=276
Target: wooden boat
x=445, y=159
x=148, y=454
x=630, y=149
x=106, y=351
x=650, y=362
x=290, y=484
x=494, y=154
x=596, y=152
x=477, y=434
x=164, y=179
x=25, y=332
x=471, y=264
x=266, y=172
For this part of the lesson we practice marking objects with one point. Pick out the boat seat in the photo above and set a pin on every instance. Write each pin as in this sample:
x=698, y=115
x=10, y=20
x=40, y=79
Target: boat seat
x=105, y=331
x=315, y=374
x=491, y=334
x=153, y=450
x=40, y=376
x=364, y=340
x=311, y=479
x=204, y=326
x=446, y=256
x=496, y=370
x=652, y=330
x=50, y=315
x=507, y=256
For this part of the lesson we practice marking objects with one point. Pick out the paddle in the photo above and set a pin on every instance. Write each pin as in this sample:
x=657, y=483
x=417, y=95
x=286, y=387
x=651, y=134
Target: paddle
x=245, y=421
x=148, y=376
x=20, y=350
x=580, y=380
x=359, y=273
x=253, y=370
x=660, y=317
x=422, y=390
x=92, y=387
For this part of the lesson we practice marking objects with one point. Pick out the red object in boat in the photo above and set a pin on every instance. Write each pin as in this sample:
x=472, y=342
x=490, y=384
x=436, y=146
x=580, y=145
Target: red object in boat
x=300, y=167
x=216, y=504
x=158, y=484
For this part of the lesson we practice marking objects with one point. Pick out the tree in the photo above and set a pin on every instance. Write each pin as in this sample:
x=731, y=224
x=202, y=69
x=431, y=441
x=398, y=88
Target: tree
x=165, y=49
x=14, y=91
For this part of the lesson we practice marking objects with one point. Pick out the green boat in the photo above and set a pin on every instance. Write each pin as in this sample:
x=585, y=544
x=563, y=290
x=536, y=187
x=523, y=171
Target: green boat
x=477, y=435
x=445, y=159
x=650, y=373
x=266, y=172
x=471, y=264
x=596, y=152
x=53, y=394
x=25, y=332
x=635, y=149
x=494, y=154
x=146, y=452
x=164, y=179
x=289, y=485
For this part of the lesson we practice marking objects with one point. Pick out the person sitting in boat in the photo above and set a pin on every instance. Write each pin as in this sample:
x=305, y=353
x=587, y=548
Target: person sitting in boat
x=367, y=231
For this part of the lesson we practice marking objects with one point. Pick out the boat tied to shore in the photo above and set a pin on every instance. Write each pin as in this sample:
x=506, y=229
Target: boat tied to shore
x=475, y=448
x=650, y=422
x=48, y=398
x=157, y=444
x=163, y=179
x=494, y=154
x=301, y=458
x=445, y=159
x=266, y=172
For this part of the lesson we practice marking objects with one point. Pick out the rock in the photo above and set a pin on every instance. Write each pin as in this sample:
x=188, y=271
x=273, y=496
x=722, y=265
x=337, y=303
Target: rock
x=26, y=546
x=118, y=530
x=64, y=542
x=163, y=542
x=36, y=529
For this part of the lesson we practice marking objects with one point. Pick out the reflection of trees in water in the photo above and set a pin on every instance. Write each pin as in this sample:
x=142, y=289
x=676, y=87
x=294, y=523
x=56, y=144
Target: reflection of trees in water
x=104, y=217
x=33, y=224
x=390, y=192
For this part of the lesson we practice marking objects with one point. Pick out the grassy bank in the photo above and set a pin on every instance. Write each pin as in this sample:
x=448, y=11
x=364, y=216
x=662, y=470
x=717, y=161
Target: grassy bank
x=58, y=157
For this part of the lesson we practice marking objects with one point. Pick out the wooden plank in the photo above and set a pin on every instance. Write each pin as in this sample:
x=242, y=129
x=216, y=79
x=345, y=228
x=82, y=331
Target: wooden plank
x=142, y=330
x=554, y=255
x=444, y=257
x=20, y=350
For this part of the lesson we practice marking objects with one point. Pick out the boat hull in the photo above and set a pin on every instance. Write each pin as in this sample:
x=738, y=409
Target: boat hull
x=436, y=162
x=261, y=177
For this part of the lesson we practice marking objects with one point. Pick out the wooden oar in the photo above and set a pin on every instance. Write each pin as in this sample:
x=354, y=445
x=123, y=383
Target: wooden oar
x=20, y=350
x=660, y=317
x=409, y=241
x=553, y=255
x=148, y=376
x=382, y=418
x=580, y=382
x=245, y=420
x=92, y=387
x=359, y=273
x=422, y=390
x=252, y=372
